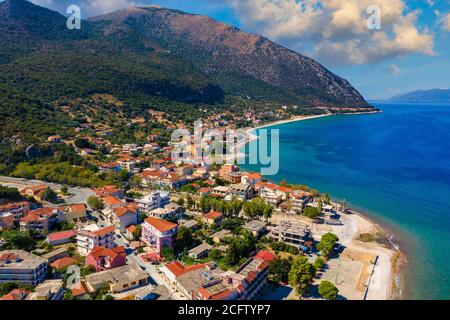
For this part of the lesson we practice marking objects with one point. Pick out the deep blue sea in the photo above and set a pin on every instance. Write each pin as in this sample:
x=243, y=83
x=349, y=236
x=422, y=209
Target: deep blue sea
x=395, y=167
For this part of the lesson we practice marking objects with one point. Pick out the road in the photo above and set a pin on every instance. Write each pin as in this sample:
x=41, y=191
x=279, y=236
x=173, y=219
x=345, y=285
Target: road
x=77, y=194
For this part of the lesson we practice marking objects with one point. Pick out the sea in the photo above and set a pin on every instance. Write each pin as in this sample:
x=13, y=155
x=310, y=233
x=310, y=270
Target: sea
x=394, y=167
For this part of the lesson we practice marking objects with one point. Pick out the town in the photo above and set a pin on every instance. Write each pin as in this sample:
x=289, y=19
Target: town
x=161, y=229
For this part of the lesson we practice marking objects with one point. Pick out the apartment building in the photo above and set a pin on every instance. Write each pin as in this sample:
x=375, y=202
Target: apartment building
x=159, y=233
x=172, y=212
x=292, y=232
x=92, y=236
x=22, y=267
x=17, y=209
x=152, y=201
x=40, y=220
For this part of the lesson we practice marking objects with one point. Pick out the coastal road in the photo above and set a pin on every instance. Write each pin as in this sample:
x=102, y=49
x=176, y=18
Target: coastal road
x=77, y=194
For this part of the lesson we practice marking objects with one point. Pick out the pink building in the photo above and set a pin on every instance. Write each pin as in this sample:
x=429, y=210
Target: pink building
x=102, y=258
x=159, y=233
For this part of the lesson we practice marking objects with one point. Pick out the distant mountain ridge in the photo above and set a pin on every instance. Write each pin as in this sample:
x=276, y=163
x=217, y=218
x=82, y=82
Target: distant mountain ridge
x=143, y=52
x=434, y=95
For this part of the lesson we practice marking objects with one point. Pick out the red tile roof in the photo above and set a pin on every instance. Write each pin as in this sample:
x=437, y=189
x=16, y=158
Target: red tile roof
x=265, y=255
x=160, y=224
x=214, y=296
x=104, y=231
x=10, y=206
x=16, y=294
x=111, y=201
x=55, y=236
x=213, y=215
x=177, y=268
x=99, y=252
x=63, y=262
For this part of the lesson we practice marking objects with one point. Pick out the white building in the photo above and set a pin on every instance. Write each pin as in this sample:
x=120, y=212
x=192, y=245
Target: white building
x=92, y=236
x=152, y=201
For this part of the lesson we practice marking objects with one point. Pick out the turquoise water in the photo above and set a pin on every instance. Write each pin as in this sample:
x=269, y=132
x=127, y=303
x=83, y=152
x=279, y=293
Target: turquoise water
x=395, y=166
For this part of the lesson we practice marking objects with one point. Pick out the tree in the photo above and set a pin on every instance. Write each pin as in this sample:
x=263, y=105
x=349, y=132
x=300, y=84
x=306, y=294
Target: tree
x=49, y=195
x=19, y=240
x=240, y=248
x=327, y=243
x=319, y=263
x=257, y=208
x=64, y=190
x=135, y=181
x=95, y=203
x=301, y=274
x=279, y=270
x=311, y=212
x=180, y=202
x=184, y=239
x=189, y=201
x=168, y=254
x=328, y=290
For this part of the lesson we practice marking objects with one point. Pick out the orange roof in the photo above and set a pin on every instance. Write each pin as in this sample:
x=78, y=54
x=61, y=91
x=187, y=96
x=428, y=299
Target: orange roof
x=265, y=255
x=213, y=215
x=160, y=224
x=35, y=189
x=77, y=207
x=14, y=205
x=204, y=190
x=104, y=231
x=214, y=296
x=16, y=294
x=99, y=252
x=121, y=211
x=254, y=176
x=131, y=229
x=37, y=214
x=177, y=268
x=273, y=186
x=111, y=201
x=63, y=262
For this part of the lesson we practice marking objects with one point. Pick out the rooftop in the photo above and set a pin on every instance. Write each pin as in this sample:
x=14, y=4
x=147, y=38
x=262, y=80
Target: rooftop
x=129, y=272
x=160, y=224
x=18, y=259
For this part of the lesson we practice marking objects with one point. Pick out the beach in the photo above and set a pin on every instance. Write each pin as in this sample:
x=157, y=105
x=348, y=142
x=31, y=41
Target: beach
x=368, y=266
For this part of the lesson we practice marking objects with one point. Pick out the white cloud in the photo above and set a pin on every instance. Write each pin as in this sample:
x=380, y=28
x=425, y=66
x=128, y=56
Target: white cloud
x=335, y=31
x=394, y=69
x=447, y=23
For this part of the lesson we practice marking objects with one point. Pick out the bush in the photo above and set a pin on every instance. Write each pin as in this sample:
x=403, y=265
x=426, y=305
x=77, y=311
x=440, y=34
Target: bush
x=328, y=290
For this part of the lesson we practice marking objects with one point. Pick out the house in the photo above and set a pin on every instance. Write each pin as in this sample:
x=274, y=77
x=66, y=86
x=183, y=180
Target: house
x=148, y=292
x=124, y=216
x=92, y=236
x=218, y=236
x=159, y=233
x=130, y=148
x=15, y=295
x=73, y=212
x=17, y=209
x=34, y=191
x=158, y=178
x=48, y=290
x=55, y=254
x=110, y=167
x=271, y=193
x=251, y=178
x=172, y=212
x=40, y=220
x=256, y=227
x=127, y=164
x=22, y=267
x=292, y=232
x=186, y=170
x=64, y=262
x=299, y=200
x=153, y=200
x=203, y=192
x=109, y=191
x=101, y=258
x=220, y=191
x=242, y=191
x=230, y=173
x=62, y=237
x=200, y=251
x=190, y=224
x=54, y=139
x=213, y=218
x=129, y=234
x=117, y=280
x=188, y=279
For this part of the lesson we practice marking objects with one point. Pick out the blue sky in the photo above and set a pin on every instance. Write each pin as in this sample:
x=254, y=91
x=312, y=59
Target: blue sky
x=410, y=52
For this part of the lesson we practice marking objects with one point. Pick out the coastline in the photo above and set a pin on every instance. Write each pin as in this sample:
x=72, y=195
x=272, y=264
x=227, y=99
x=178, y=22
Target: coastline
x=383, y=281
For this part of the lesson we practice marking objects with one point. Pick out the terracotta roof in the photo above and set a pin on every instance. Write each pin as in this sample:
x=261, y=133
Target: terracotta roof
x=63, y=262
x=14, y=205
x=273, y=186
x=42, y=213
x=111, y=201
x=253, y=176
x=131, y=229
x=99, y=252
x=121, y=211
x=35, y=189
x=55, y=236
x=213, y=215
x=160, y=224
x=177, y=268
x=214, y=296
x=265, y=255
x=104, y=231
x=16, y=294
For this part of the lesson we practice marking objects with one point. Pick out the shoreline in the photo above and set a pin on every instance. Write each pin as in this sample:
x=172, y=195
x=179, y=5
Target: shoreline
x=385, y=276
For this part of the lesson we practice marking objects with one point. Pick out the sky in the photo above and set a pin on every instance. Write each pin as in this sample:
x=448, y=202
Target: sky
x=409, y=49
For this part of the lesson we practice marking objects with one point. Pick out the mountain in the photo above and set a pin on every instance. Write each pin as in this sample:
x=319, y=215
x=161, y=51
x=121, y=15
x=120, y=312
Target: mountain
x=434, y=95
x=140, y=53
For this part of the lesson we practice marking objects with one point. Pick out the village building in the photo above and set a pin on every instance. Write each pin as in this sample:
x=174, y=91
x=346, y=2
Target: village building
x=17, y=209
x=34, y=191
x=101, y=258
x=40, y=220
x=292, y=232
x=171, y=212
x=48, y=290
x=201, y=251
x=256, y=227
x=117, y=280
x=153, y=200
x=22, y=267
x=72, y=213
x=62, y=237
x=241, y=191
x=109, y=191
x=159, y=234
x=92, y=236
x=212, y=218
